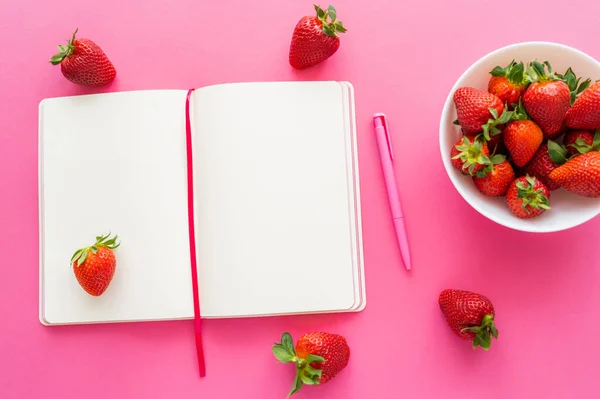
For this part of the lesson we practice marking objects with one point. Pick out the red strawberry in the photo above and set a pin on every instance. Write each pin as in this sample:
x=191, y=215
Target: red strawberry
x=585, y=112
x=542, y=164
x=580, y=175
x=547, y=99
x=527, y=197
x=315, y=38
x=474, y=109
x=495, y=179
x=508, y=83
x=94, y=266
x=470, y=316
x=318, y=356
x=83, y=62
x=581, y=141
x=469, y=155
x=522, y=138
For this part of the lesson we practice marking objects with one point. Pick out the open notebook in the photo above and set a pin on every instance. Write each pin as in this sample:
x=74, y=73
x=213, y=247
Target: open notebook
x=276, y=189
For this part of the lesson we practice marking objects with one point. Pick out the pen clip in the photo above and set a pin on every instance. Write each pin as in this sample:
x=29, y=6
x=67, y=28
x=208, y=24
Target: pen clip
x=387, y=133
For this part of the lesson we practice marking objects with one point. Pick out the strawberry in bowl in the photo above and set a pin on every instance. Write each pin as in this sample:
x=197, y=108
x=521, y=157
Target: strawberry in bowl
x=512, y=129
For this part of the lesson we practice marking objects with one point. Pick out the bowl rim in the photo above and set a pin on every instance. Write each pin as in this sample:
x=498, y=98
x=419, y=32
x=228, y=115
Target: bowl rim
x=531, y=228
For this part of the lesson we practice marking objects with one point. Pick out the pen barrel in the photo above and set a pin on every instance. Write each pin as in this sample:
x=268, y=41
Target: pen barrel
x=388, y=172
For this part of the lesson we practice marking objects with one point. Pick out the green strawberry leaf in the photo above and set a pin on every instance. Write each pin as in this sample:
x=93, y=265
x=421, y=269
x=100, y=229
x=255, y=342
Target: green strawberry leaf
x=516, y=73
x=572, y=82
x=314, y=359
x=308, y=380
x=557, y=152
x=482, y=340
x=519, y=114
x=491, y=127
x=596, y=142
x=494, y=331
x=83, y=257
x=583, y=86
x=282, y=353
x=530, y=197
x=313, y=372
x=339, y=27
x=498, y=71
x=484, y=332
x=332, y=13
x=581, y=146
x=76, y=255
x=328, y=31
x=288, y=343
x=539, y=69
x=320, y=12
x=498, y=158
x=494, y=112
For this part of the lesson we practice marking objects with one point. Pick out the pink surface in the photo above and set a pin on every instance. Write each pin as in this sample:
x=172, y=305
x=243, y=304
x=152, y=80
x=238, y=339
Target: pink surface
x=402, y=57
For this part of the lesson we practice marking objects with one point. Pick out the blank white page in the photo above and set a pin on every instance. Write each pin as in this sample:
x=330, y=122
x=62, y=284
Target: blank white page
x=115, y=162
x=273, y=200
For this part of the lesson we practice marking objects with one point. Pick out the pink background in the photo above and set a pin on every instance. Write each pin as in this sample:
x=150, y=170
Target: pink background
x=403, y=57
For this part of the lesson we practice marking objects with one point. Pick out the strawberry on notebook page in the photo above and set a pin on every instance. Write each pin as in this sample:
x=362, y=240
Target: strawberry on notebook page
x=83, y=62
x=315, y=38
x=318, y=357
x=94, y=266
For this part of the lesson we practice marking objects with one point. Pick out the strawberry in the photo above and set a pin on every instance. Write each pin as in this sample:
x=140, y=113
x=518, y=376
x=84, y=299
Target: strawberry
x=547, y=99
x=508, y=83
x=470, y=155
x=585, y=112
x=315, y=38
x=580, y=175
x=522, y=137
x=581, y=141
x=83, y=62
x=94, y=266
x=469, y=315
x=318, y=357
x=494, y=179
x=542, y=164
x=475, y=109
x=527, y=197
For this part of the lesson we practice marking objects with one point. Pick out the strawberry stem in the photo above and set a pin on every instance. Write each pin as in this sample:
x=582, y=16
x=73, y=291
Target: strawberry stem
x=531, y=197
x=484, y=332
x=101, y=241
x=305, y=374
x=471, y=154
x=328, y=19
x=65, y=51
x=491, y=127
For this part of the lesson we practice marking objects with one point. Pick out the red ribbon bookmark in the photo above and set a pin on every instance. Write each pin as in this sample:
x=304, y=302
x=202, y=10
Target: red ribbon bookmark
x=190, y=189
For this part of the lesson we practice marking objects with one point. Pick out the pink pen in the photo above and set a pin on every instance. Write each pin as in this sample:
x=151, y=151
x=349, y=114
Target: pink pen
x=384, y=142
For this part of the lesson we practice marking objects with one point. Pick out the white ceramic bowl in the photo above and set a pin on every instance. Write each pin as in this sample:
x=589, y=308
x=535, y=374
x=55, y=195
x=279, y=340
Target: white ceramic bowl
x=568, y=210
